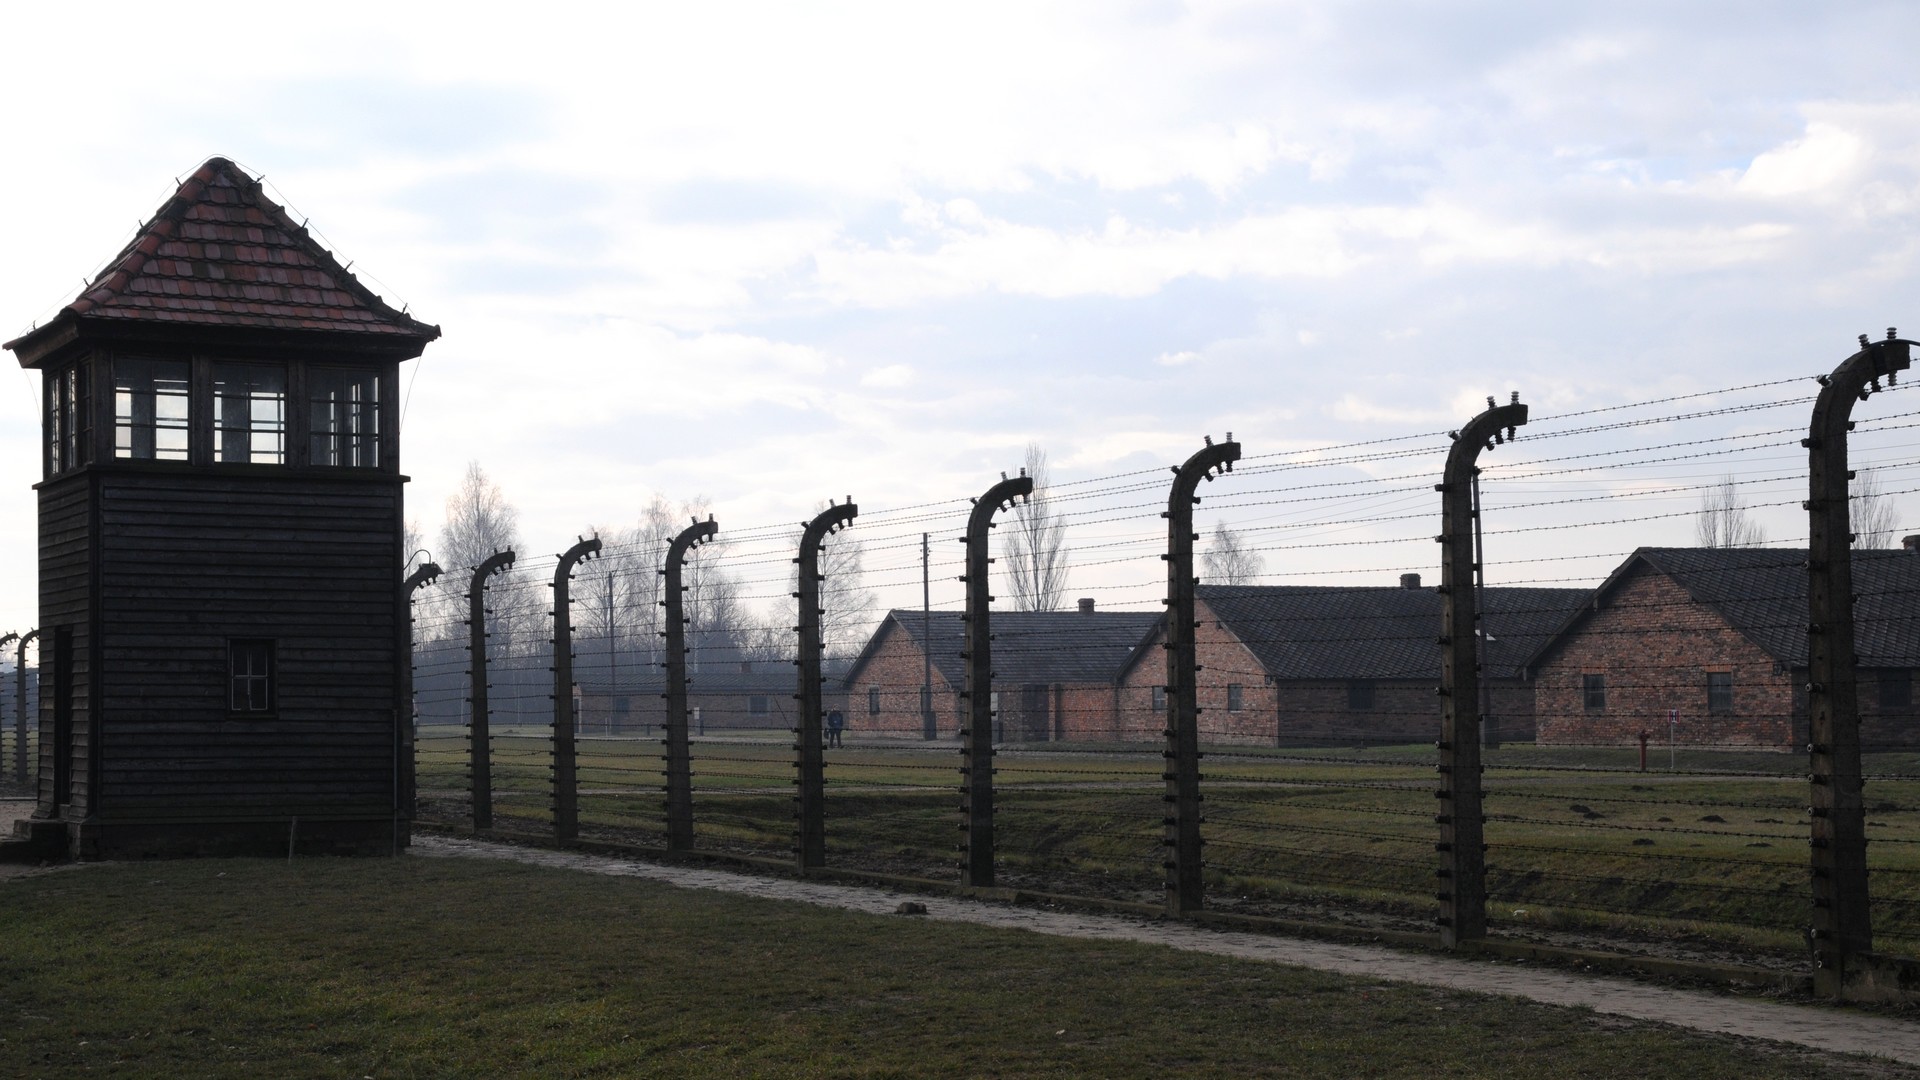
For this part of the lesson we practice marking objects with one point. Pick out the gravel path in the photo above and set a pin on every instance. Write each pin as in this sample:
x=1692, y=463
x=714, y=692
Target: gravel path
x=1831, y=1030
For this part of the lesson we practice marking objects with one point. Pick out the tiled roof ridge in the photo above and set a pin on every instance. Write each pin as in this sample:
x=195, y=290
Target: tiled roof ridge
x=217, y=279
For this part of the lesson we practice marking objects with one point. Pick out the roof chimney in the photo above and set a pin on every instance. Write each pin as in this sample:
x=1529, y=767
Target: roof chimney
x=1911, y=543
x=1086, y=602
x=1409, y=581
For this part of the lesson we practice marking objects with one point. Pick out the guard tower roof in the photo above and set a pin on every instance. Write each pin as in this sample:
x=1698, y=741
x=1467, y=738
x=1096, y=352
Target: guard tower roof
x=219, y=258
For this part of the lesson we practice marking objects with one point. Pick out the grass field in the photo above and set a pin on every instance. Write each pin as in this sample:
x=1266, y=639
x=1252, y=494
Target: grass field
x=450, y=968
x=1713, y=845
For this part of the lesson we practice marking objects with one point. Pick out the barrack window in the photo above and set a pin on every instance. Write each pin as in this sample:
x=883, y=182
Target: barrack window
x=1360, y=695
x=1593, y=689
x=1719, y=691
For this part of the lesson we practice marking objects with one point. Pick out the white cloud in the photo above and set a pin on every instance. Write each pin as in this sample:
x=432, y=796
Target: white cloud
x=891, y=377
x=1817, y=161
x=1176, y=359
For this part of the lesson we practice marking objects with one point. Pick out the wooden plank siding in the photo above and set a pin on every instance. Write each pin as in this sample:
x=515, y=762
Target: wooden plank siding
x=66, y=594
x=194, y=558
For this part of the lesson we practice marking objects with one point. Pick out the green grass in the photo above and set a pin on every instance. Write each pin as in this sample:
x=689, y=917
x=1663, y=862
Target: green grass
x=1716, y=847
x=450, y=968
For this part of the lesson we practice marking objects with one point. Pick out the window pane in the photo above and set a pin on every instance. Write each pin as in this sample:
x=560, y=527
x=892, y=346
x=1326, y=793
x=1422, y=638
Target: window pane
x=250, y=674
x=150, y=409
x=344, y=418
x=1719, y=691
x=1896, y=689
x=1360, y=695
x=1595, y=690
x=249, y=414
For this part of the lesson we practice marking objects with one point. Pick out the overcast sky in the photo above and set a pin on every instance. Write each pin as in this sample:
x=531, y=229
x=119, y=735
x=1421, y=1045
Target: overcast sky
x=774, y=253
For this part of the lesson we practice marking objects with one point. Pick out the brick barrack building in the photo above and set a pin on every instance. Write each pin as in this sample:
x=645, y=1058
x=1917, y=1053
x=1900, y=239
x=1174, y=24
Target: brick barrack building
x=1708, y=646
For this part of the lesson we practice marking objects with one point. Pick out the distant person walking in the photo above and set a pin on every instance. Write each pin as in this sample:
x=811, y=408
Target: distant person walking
x=835, y=723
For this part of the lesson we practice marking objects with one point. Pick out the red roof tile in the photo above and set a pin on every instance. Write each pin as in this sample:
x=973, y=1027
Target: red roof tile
x=220, y=253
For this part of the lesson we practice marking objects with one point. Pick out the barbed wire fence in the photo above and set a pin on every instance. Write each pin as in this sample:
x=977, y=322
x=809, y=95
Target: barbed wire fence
x=1665, y=803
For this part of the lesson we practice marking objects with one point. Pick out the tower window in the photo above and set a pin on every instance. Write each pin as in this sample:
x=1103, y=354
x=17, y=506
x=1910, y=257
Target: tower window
x=249, y=414
x=69, y=418
x=343, y=418
x=250, y=675
x=150, y=409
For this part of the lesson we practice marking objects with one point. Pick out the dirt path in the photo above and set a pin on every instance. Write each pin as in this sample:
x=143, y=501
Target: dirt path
x=1830, y=1030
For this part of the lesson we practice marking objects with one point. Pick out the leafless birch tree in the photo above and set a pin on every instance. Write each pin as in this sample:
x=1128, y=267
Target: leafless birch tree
x=1036, y=549
x=1723, y=522
x=1228, y=561
x=1875, y=522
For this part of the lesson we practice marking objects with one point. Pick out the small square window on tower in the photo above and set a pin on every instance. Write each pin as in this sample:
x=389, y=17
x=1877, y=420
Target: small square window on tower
x=250, y=676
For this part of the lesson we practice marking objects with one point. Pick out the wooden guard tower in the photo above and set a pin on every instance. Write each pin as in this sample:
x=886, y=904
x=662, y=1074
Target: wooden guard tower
x=225, y=641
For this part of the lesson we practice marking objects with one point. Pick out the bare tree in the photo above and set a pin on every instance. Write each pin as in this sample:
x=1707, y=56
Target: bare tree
x=849, y=605
x=1874, y=519
x=1228, y=561
x=480, y=521
x=1036, y=552
x=1723, y=522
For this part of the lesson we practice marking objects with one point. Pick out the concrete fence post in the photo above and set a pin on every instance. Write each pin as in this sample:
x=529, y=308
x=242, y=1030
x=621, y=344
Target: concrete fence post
x=405, y=784
x=479, y=736
x=1462, y=844
x=976, y=750
x=4, y=638
x=1842, y=929
x=679, y=749
x=810, y=846
x=20, y=700
x=566, y=787
x=1181, y=821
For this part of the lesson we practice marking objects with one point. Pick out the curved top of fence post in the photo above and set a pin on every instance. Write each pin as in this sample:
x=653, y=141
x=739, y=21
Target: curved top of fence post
x=998, y=497
x=1200, y=467
x=832, y=519
x=492, y=564
x=425, y=574
x=585, y=549
x=27, y=637
x=1856, y=379
x=1482, y=432
x=697, y=533
x=9, y=636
